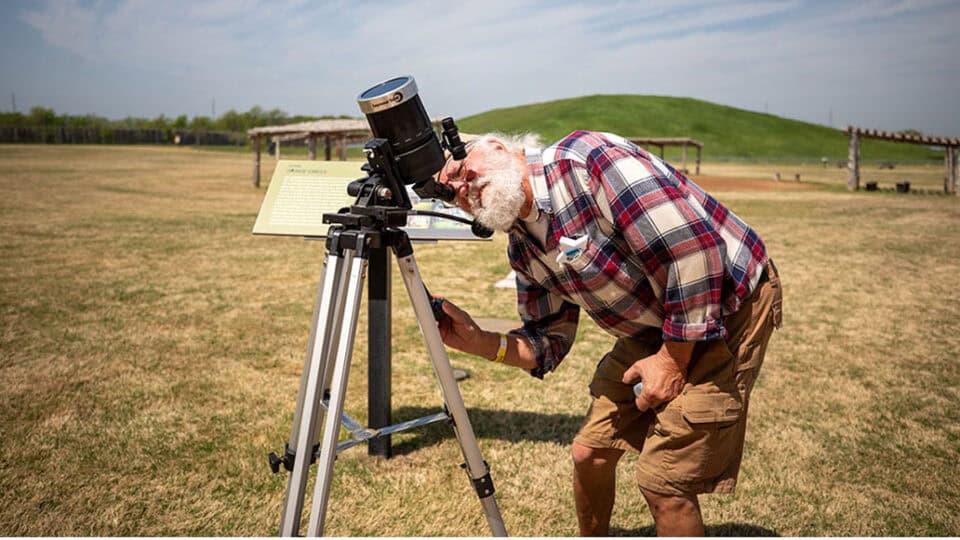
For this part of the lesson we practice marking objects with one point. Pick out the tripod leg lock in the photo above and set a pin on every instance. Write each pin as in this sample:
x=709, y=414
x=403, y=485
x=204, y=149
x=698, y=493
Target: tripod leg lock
x=484, y=484
x=289, y=456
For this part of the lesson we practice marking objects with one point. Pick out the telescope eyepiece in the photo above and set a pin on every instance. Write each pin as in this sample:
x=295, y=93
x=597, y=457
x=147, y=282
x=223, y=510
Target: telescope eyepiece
x=451, y=139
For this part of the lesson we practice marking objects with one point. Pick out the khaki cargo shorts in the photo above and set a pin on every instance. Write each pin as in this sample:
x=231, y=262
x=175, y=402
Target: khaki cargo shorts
x=694, y=443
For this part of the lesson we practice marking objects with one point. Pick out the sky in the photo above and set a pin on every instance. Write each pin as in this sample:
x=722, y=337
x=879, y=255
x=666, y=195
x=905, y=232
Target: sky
x=881, y=64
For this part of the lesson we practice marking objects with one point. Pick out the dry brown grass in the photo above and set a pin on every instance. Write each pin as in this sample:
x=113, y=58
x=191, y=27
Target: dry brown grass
x=150, y=354
x=924, y=177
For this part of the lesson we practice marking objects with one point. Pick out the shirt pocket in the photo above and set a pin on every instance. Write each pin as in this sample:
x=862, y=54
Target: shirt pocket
x=596, y=274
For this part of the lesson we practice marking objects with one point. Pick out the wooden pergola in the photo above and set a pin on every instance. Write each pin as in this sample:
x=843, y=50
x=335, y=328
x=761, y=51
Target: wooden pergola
x=672, y=141
x=341, y=132
x=951, y=153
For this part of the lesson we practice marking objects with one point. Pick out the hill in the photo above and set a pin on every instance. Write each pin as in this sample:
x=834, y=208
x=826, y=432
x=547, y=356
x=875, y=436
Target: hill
x=727, y=132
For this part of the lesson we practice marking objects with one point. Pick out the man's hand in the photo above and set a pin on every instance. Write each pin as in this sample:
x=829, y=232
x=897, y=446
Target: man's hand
x=663, y=374
x=458, y=330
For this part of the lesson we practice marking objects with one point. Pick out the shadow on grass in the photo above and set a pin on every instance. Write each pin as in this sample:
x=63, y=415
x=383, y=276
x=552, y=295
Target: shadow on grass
x=724, y=529
x=513, y=426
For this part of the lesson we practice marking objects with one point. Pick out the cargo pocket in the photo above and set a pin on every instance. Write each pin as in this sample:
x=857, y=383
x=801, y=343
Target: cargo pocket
x=702, y=433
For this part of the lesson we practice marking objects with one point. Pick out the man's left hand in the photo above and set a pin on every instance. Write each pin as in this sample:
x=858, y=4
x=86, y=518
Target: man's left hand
x=663, y=378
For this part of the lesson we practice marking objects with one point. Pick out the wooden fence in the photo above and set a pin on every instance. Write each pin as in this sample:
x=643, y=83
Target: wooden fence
x=107, y=135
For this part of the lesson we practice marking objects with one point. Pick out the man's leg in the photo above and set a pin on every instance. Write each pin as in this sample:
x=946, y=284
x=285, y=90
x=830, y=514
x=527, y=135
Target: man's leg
x=594, y=487
x=675, y=515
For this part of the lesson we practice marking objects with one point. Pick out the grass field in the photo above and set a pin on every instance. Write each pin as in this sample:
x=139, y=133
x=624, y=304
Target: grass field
x=151, y=348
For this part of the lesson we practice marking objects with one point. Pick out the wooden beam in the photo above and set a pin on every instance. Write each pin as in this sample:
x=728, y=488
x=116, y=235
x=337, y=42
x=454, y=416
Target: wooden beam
x=342, y=148
x=900, y=137
x=699, y=148
x=853, y=163
x=256, y=161
x=326, y=148
x=312, y=147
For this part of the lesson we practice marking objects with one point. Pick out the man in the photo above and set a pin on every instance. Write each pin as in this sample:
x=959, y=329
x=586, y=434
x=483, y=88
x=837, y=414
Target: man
x=686, y=286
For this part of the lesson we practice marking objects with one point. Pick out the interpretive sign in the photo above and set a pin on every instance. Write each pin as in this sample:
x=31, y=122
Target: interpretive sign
x=300, y=192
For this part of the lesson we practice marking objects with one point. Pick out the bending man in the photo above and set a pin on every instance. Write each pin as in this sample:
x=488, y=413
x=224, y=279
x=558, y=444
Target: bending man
x=685, y=285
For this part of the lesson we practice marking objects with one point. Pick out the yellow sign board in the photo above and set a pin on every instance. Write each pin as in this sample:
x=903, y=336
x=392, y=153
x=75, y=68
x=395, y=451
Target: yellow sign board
x=301, y=191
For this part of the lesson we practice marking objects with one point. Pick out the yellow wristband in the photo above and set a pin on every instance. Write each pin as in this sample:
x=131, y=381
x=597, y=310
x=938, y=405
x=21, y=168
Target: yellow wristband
x=502, y=352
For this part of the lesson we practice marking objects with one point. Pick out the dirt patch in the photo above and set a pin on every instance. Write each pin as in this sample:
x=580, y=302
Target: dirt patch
x=720, y=183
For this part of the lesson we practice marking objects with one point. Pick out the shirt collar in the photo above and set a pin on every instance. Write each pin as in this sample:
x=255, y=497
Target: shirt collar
x=538, y=179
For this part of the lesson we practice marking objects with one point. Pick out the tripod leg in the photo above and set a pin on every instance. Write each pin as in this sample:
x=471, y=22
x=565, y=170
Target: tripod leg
x=313, y=382
x=476, y=467
x=338, y=388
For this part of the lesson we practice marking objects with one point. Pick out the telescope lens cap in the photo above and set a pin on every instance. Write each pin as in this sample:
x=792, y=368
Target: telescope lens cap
x=387, y=94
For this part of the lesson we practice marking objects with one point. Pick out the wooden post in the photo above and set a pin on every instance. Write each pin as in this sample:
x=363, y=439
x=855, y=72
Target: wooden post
x=312, y=147
x=326, y=151
x=853, y=162
x=276, y=148
x=948, y=162
x=256, y=161
x=661, y=151
x=342, y=148
x=956, y=171
x=699, y=148
x=684, y=157
x=953, y=170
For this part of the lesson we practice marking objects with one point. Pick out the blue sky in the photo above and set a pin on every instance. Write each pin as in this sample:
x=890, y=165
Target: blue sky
x=883, y=64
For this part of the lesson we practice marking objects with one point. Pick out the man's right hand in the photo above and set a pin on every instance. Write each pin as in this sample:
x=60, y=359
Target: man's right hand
x=458, y=330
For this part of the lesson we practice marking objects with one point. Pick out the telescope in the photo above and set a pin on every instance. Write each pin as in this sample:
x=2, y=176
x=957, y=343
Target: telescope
x=405, y=150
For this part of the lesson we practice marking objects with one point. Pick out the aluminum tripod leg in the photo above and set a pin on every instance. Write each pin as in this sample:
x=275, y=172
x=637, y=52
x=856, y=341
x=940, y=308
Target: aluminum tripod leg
x=477, y=469
x=338, y=388
x=313, y=383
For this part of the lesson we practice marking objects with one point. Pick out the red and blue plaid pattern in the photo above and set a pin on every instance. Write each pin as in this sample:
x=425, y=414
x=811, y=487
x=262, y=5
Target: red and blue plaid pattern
x=660, y=252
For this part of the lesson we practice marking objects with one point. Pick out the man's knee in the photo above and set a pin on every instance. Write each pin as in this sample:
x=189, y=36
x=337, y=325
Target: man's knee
x=585, y=457
x=662, y=504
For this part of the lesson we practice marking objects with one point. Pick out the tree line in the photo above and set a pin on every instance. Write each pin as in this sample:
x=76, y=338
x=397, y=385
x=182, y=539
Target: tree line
x=232, y=121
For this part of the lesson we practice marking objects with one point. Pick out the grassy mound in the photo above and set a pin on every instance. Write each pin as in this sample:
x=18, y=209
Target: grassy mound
x=726, y=132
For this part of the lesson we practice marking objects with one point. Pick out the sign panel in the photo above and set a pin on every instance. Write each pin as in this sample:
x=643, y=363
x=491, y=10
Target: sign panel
x=301, y=191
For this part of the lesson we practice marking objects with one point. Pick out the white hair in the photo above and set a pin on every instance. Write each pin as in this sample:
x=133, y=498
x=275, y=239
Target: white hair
x=513, y=143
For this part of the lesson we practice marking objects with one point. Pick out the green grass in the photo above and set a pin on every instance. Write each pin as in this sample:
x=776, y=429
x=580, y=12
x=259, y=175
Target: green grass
x=726, y=132
x=151, y=349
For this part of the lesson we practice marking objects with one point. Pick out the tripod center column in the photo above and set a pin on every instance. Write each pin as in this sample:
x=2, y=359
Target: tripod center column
x=378, y=354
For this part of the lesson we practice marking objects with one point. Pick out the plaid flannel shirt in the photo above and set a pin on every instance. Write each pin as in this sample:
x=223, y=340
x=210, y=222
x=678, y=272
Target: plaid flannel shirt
x=659, y=253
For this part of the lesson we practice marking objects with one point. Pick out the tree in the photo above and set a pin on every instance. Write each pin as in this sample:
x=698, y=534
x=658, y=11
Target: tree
x=42, y=116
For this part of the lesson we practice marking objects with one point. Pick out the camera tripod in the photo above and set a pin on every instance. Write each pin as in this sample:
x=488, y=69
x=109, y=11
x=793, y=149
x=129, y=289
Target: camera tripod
x=324, y=380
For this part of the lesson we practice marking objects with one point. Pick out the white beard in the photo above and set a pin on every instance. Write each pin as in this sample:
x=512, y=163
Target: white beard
x=502, y=196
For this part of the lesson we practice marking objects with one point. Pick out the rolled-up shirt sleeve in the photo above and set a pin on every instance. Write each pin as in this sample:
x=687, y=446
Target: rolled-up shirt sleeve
x=678, y=249
x=549, y=324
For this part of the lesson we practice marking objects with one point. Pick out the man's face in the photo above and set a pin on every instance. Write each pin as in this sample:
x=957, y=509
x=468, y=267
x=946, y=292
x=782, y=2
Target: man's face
x=488, y=184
